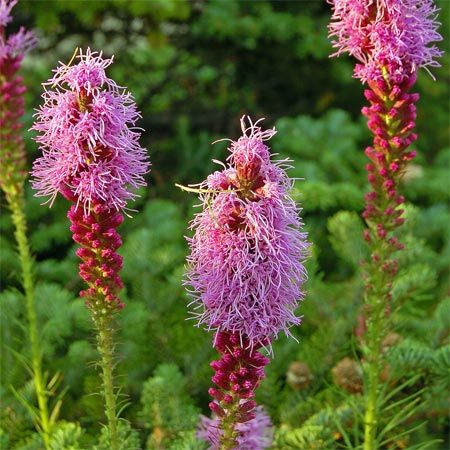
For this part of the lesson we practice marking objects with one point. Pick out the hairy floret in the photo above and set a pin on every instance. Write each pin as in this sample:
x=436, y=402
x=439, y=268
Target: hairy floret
x=87, y=133
x=246, y=263
x=391, y=34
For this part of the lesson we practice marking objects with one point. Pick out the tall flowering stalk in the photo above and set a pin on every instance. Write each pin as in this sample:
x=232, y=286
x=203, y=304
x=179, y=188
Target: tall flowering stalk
x=13, y=174
x=13, y=48
x=245, y=272
x=91, y=155
x=391, y=41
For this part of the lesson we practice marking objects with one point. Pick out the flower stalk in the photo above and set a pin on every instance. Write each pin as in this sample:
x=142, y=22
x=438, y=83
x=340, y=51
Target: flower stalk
x=98, y=239
x=13, y=175
x=91, y=155
x=391, y=40
x=105, y=345
x=16, y=205
x=246, y=272
x=391, y=117
x=237, y=374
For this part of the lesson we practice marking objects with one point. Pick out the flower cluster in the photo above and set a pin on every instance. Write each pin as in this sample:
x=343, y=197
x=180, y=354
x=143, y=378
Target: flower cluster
x=12, y=153
x=391, y=39
x=91, y=156
x=256, y=434
x=246, y=264
x=96, y=233
x=88, y=137
x=386, y=36
x=237, y=374
x=391, y=118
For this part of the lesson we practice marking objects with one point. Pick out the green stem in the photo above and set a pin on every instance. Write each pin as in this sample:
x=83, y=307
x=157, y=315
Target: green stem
x=376, y=300
x=372, y=389
x=371, y=413
x=228, y=440
x=376, y=331
x=16, y=205
x=105, y=345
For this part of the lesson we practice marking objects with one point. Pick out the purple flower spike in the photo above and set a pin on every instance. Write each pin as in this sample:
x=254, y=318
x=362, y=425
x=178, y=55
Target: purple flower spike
x=88, y=136
x=256, y=434
x=390, y=35
x=246, y=264
x=12, y=89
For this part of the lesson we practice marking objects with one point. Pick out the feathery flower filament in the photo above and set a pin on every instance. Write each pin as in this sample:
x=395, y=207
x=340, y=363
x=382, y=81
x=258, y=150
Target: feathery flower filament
x=91, y=156
x=387, y=37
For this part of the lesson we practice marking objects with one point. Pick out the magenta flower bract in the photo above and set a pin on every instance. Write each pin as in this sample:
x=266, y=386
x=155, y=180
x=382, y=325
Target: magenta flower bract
x=12, y=89
x=88, y=137
x=98, y=239
x=238, y=373
x=390, y=34
x=246, y=264
x=256, y=434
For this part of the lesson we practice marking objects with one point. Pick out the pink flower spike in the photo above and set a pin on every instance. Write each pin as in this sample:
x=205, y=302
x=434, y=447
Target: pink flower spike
x=246, y=262
x=12, y=152
x=88, y=136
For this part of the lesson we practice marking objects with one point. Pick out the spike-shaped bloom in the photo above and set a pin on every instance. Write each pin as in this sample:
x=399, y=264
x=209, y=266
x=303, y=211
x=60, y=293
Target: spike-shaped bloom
x=246, y=263
x=391, y=118
x=88, y=135
x=386, y=36
x=12, y=89
x=256, y=434
x=391, y=40
x=91, y=155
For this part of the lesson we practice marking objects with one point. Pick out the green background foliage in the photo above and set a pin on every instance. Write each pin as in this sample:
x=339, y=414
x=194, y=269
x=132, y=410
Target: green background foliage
x=194, y=68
